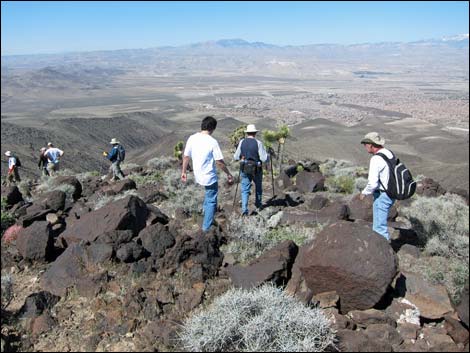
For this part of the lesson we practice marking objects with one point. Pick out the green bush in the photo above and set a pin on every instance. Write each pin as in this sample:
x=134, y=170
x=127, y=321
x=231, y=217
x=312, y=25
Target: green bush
x=342, y=184
x=151, y=178
x=263, y=319
x=7, y=218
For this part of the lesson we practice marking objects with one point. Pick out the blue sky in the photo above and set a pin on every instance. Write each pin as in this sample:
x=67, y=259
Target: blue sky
x=54, y=27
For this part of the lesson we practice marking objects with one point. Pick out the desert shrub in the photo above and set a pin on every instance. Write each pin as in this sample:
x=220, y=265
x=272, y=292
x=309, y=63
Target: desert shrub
x=442, y=225
x=186, y=196
x=263, y=319
x=360, y=183
x=342, y=184
x=150, y=178
x=250, y=237
x=7, y=290
x=103, y=199
x=162, y=163
x=7, y=218
x=299, y=235
x=87, y=175
x=48, y=184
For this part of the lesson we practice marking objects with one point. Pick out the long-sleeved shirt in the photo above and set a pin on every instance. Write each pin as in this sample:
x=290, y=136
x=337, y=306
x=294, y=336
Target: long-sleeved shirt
x=11, y=163
x=378, y=170
x=263, y=155
x=113, y=154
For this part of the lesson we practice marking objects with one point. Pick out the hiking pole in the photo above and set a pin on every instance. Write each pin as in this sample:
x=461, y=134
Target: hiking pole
x=272, y=174
x=236, y=189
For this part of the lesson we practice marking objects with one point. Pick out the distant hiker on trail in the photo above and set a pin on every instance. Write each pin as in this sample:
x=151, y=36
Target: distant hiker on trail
x=378, y=174
x=205, y=153
x=116, y=156
x=13, y=175
x=42, y=163
x=252, y=154
x=53, y=155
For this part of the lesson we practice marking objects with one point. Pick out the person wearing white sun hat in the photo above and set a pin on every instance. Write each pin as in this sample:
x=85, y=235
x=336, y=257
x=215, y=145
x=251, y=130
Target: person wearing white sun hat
x=252, y=154
x=13, y=175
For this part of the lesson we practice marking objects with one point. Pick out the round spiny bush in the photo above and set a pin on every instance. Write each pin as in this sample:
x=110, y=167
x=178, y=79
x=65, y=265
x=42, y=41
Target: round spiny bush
x=263, y=319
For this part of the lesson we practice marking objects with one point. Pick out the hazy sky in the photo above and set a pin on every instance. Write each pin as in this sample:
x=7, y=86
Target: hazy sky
x=53, y=27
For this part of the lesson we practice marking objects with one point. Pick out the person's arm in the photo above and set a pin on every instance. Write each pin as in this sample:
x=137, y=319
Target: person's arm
x=186, y=157
x=373, y=179
x=112, y=154
x=236, y=156
x=61, y=153
x=263, y=155
x=221, y=164
x=184, y=176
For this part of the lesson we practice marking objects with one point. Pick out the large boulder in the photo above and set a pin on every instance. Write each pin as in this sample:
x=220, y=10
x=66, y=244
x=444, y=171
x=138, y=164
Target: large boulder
x=432, y=300
x=156, y=238
x=35, y=242
x=362, y=209
x=127, y=213
x=310, y=182
x=72, y=181
x=462, y=306
x=12, y=195
x=74, y=268
x=274, y=265
x=348, y=258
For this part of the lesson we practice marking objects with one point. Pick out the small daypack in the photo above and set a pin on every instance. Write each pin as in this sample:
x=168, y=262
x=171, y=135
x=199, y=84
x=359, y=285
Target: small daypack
x=121, y=153
x=401, y=185
x=18, y=162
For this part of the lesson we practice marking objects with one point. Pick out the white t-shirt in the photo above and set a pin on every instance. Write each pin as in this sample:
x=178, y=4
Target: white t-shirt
x=53, y=155
x=204, y=150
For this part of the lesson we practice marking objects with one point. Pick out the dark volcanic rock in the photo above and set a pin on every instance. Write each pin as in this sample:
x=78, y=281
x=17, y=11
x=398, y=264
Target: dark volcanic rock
x=274, y=265
x=310, y=182
x=35, y=242
x=348, y=258
x=127, y=213
x=12, y=195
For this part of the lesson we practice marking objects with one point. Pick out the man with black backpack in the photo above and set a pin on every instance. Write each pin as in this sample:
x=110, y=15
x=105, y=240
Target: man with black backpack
x=388, y=180
x=116, y=156
x=252, y=154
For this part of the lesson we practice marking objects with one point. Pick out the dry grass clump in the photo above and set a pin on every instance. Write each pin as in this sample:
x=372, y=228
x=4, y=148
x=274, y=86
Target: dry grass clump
x=442, y=225
x=6, y=290
x=250, y=237
x=263, y=319
x=103, y=200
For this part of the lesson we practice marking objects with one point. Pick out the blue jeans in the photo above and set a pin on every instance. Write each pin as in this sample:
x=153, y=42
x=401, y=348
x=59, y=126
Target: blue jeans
x=382, y=204
x=210, y=205
x=246, y=188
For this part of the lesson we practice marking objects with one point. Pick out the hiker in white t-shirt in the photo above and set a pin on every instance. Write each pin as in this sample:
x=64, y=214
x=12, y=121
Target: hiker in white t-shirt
x=205, y=153
x=53, y=155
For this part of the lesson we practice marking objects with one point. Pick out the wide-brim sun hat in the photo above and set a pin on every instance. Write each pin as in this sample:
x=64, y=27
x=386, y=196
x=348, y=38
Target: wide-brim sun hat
x=114, y=141
x=8, y=153
x=373, y=138
x=251, y=128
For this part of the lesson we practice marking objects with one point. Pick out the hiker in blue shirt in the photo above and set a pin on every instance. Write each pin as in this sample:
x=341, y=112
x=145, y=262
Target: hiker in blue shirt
x=116, y=156
x=252, y=154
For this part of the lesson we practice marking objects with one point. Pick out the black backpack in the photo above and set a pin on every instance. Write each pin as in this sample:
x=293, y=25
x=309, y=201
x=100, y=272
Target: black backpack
x=121, y=153
x=18, y=162
x=401, y=185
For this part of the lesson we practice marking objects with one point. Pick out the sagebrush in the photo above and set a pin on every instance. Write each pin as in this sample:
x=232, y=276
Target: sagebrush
x=263, y=319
